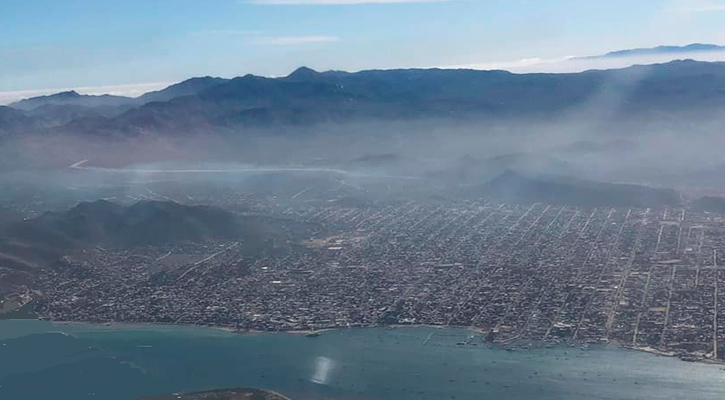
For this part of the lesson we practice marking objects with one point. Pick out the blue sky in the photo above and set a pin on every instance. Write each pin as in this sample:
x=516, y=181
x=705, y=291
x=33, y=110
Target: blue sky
x=49, y=44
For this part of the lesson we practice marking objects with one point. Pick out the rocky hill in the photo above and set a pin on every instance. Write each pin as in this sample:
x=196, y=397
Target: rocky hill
x=148, y=223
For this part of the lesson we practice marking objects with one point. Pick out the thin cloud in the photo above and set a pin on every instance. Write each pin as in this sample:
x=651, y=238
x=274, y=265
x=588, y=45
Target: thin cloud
x=703, y=9
x=575, y=64
x=339, y=2
x=226, y=32
x=527, y=64
x=130, y=90
x=292, y=40
x=260, y=38
x=701, y=6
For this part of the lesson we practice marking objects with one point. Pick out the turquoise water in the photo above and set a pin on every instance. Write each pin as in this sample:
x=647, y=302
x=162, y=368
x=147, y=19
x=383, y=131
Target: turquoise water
x=373, y=364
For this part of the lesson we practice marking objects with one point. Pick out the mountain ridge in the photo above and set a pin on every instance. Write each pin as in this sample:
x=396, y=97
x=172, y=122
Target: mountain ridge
x=657, y=50
x=313, y=97
x=72, y=97
x=307, y=97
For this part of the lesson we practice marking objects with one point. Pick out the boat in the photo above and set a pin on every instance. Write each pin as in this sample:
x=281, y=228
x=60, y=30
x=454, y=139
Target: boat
x=313, y=334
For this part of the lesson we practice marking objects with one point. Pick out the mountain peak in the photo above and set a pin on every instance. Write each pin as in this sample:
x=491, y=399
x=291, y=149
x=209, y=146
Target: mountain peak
x=303, y=73
x=94, y=206
x=68, y=93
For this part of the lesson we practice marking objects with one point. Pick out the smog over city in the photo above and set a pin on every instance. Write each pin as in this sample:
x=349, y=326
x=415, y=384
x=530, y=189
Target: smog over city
x=550, y=204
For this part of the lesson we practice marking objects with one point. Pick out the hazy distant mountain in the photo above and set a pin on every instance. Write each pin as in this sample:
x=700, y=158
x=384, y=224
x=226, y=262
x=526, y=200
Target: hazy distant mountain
x=50, y=115
x=62, y=108
x=469, y=169
x=306, y=98
x=591, y=147
x=659, y=50
x=12, y=120
x=709, y=204
x=72, y=98
x=7, y=217
x=188, y=87
x=515, y=187
x=376, y=160
x=53, y=115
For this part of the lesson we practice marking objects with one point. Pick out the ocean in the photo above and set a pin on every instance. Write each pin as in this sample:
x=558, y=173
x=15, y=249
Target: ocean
x=41, y=360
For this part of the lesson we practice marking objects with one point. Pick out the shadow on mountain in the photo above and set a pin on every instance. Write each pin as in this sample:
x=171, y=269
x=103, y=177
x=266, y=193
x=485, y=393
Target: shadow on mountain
x=149, y=223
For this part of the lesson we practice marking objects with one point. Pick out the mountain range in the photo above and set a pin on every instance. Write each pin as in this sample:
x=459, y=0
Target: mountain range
x=307, y=98
x=659, y=50
x=72, y=98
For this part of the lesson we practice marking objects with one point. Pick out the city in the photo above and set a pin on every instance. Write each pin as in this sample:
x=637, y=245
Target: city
x=516, y=275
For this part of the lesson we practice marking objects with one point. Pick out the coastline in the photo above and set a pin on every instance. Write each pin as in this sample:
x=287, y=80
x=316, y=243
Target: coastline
x=277, y=394
x=225, y=329
x=664, y=353
x=506, y=346
x=233, y=393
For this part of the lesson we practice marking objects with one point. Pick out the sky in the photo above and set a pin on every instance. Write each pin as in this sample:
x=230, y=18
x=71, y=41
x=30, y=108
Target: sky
x=132, y=46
